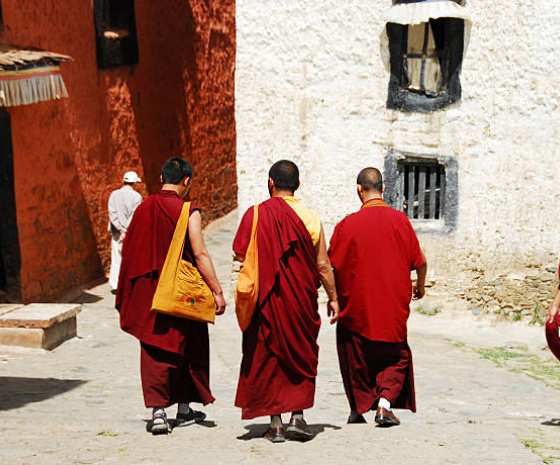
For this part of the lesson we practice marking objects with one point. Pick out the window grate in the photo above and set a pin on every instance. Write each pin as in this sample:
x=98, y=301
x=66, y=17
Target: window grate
x=421, y=190
x=424, y=187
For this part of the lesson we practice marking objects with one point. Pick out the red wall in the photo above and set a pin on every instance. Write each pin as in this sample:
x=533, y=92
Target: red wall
x=69, y=154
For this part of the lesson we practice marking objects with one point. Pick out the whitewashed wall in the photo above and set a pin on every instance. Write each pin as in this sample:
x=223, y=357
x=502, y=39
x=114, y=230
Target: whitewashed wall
x=311, y=87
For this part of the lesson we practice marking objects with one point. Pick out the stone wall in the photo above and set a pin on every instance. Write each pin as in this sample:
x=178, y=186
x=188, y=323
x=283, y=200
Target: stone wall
x=70, y=154
x=311, y=86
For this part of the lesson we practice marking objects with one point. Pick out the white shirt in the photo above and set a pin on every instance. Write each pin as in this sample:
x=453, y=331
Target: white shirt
x=122, y=204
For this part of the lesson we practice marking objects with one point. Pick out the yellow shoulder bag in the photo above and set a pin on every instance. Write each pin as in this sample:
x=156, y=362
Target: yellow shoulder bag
x=247, y=293
x=181, y=290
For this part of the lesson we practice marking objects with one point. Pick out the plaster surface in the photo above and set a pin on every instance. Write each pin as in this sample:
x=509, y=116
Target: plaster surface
x=312, y=87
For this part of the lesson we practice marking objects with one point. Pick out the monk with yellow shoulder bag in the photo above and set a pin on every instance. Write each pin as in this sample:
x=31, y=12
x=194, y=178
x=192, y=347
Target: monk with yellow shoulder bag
x=181, y=290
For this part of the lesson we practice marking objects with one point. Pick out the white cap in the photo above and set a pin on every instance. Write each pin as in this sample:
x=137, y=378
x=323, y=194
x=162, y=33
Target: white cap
x=131, y=176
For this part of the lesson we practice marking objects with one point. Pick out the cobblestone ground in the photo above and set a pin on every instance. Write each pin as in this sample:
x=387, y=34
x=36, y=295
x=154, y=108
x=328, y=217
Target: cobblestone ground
x=479, y=399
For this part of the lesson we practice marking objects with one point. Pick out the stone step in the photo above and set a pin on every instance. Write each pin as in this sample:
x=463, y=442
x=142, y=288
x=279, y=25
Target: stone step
x=38, y=326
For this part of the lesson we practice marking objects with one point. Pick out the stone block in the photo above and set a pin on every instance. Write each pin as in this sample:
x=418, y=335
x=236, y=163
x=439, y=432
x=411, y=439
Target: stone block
x=6, y=308
x=39, y=326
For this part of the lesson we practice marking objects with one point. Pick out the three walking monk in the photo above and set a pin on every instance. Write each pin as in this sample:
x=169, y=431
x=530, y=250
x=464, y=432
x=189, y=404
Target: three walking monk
x=373, y=252
x=174, y=361
x=280, y=351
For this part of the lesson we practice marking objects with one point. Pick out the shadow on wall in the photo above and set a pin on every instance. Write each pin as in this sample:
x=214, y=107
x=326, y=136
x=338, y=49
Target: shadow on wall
x=184, y=104
x=161, y=113
x=16, y=392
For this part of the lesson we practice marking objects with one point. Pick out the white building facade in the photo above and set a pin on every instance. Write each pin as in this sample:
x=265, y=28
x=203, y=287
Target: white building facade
x=312, y=86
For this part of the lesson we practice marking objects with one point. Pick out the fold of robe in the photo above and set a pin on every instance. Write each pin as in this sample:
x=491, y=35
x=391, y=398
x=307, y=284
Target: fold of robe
x=144, y=250
x=553, y=336
x=552, y=331
x=280, y=351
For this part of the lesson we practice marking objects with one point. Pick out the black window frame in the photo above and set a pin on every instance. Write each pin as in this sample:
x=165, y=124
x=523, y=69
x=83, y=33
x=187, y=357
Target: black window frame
x=449, y=34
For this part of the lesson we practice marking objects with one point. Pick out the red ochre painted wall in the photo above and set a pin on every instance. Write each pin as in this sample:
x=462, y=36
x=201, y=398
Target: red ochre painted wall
x=70, y=154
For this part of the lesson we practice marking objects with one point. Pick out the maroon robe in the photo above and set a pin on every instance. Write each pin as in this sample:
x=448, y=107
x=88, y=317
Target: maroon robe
x=372, y=252
x=175, y=356
x=552, y=332
x=280, y=351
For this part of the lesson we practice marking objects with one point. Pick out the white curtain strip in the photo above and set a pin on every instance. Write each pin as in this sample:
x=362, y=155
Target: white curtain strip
x=416, y=13
x=32, y=90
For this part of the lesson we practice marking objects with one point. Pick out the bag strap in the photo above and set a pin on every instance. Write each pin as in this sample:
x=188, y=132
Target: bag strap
x=255, y=221
x=177, y=245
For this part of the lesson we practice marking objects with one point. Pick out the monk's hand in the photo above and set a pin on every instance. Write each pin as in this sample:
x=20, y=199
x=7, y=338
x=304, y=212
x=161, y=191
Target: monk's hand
x=552, y=313
x=220, y=303
x=418, y=291
x=333, y=310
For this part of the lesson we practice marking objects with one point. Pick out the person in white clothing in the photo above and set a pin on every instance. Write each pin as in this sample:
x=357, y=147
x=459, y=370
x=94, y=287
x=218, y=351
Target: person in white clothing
x=122, y=203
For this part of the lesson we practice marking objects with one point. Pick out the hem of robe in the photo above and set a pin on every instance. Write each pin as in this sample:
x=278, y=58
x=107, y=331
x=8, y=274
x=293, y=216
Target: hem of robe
x=366, y=398
x=295, y=397
x=265, y=387
x=191, y=383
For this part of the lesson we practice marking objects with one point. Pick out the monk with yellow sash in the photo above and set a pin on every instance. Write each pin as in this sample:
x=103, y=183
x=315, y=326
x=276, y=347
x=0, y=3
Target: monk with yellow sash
x=280, y=351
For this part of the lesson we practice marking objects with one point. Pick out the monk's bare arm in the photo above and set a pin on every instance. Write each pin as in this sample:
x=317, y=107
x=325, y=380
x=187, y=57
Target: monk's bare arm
x=204, y=262
x=419, y=289
x=326, y=276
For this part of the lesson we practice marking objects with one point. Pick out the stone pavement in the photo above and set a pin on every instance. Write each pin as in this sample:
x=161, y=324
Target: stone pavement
x=82, y=403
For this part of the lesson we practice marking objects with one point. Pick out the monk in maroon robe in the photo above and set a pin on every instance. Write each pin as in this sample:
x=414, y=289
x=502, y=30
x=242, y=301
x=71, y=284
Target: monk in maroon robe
x=280, y=351
x=552, y=329
x=372, y=252
x=175, y=356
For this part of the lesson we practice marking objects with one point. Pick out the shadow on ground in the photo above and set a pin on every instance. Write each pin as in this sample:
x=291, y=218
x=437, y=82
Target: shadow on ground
x=256, y=431
x=16, y=392
x=551, y=422
x=87, y=298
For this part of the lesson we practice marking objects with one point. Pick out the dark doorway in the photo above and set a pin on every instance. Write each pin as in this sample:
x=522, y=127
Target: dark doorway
x=10, y=259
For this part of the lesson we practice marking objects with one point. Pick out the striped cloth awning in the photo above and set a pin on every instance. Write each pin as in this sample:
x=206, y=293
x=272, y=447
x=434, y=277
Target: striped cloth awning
x=29, y=76
x=421, y=11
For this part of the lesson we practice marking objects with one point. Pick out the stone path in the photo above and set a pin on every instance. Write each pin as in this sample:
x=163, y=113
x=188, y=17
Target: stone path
x=82, y=403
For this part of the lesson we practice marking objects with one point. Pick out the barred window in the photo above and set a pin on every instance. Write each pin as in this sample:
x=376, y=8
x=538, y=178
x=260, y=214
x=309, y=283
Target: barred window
x=421, y=190
x=424, y=187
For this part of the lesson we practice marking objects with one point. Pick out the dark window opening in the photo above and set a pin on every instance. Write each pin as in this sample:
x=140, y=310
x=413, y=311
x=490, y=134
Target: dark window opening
x=1, y=15
x=425, y=64
x=422, y=194
x=424, y=187
x=115, y=27
x=10, y=259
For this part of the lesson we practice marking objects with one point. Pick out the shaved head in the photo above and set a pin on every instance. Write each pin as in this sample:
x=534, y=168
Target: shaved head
x=371, y=180
x=285, y=175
